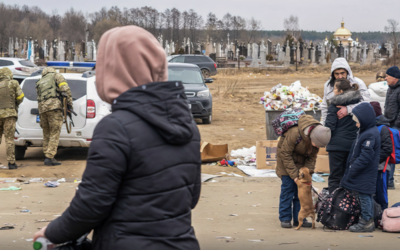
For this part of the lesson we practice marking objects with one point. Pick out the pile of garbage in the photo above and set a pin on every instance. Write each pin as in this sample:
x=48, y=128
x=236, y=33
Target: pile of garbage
x=287, y=97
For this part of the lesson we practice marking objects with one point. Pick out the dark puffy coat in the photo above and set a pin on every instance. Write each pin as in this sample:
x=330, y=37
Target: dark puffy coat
x=142, y=177
x=343, y=131
x=392, y=105
x=292, y=155
x=362, y=164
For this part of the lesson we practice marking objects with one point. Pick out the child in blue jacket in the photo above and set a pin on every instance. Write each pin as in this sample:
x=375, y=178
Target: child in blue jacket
x=362, y=165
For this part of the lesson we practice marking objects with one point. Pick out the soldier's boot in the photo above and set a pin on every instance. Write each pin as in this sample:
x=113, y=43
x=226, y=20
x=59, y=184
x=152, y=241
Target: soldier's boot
x=12, y=166
x=51, y=162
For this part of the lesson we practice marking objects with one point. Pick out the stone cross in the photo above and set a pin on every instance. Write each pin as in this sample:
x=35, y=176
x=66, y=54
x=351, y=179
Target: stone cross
x=254, y=62
x=364, y=58
x=95, y=50
x=263, y=54
x=312, y=54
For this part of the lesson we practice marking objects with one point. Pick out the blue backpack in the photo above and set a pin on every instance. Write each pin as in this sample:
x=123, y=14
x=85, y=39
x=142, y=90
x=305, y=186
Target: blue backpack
x=394, y=134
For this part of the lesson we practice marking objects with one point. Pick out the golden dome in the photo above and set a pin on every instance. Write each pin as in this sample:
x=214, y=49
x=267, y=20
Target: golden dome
x=342, y=31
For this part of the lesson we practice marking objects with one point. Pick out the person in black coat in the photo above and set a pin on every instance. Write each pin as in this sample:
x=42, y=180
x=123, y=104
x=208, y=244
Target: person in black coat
x=143, y=173
x=382, y=181
x=392, y=108
x=344, y=131
x=362, y=165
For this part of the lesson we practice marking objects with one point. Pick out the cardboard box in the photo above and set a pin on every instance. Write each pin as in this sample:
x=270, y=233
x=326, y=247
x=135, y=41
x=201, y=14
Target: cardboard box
x=322, y=165
x=213, y=153
x=266, y=154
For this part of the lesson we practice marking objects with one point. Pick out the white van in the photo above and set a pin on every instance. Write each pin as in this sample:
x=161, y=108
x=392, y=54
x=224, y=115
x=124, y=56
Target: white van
x=89, y=107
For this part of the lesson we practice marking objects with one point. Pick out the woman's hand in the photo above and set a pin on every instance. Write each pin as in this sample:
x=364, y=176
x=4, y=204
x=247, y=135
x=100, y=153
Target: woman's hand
x=40, y=233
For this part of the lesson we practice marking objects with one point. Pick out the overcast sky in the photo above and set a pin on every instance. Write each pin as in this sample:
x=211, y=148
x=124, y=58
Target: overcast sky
x=319, y=15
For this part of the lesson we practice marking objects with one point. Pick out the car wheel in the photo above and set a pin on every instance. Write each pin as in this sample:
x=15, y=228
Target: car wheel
x=20, y=152
x=208, y=120
x=206, y=73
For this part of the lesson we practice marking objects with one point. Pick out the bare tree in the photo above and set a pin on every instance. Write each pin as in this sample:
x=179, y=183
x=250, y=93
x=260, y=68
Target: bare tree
x=393, y=29
x=73, y=25
x=102, y=26
x=238, y=25
x=253, y=27
x=291, y=25
x=176, y=23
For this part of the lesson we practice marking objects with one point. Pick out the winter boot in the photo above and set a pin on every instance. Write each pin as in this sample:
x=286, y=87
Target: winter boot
x=12, y=166
x=305, y=224
x=286, y=224
x=363, y=226
x=51, y=162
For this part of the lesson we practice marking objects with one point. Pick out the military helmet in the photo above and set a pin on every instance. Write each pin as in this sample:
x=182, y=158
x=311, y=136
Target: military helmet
x=6, y=73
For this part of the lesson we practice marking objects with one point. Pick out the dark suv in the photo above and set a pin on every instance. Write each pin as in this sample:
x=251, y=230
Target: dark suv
x=207, y=66
x=197, y=92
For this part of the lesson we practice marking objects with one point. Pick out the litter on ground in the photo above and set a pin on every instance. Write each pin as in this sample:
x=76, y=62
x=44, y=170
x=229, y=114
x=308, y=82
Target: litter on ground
x=12, y=188
x=252, y=171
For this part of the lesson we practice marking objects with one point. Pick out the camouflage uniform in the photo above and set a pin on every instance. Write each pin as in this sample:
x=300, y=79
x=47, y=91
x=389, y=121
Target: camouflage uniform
x=51, y=117
x=9, y=112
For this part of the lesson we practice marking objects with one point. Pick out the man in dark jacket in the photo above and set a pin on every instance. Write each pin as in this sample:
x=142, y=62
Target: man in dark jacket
x=362, y=165
x=344, y=132
x=392, y=108
x=143, y=173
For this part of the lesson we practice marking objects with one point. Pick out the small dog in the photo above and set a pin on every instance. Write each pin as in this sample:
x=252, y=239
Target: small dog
x=305, y=196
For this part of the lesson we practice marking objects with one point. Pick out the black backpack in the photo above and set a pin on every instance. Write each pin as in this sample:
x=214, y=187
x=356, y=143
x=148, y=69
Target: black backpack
x=340, y=210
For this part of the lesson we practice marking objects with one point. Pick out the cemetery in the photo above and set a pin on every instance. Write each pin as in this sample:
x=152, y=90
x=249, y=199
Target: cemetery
x=227, y=53
x=261, y=73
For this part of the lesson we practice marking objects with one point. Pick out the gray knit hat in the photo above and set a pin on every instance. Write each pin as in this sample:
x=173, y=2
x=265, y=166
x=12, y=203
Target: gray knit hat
x=321, y=136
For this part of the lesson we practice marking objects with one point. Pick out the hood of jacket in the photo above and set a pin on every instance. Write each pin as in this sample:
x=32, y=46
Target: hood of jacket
x=128, y=57
x=347, y=98
x=162, y=105
x=6, y=74
x=304, y=122
x=366, y=115
x=341, y=63
x=48, y=70
x=381, y=120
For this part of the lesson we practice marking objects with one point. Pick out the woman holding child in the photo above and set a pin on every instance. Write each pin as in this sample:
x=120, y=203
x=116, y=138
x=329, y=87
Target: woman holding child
x=344, y=131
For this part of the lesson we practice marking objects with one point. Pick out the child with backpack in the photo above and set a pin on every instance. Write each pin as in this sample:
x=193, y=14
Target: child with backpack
x=298, y=147
x=344, y=131
x=362, y=165
x=381, y=196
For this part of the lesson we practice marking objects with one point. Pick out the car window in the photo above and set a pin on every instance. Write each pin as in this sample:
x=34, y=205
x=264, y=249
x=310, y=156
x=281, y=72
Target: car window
x=178, y=59
x=27, y=63
x=203, y=59
x=78, y=89
x=191, y=59
x=4, y=63
x=185, y=75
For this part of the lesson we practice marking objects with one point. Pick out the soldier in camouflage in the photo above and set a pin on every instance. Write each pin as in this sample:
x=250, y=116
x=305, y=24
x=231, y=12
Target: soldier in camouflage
x=11, y=97
x=50, y=88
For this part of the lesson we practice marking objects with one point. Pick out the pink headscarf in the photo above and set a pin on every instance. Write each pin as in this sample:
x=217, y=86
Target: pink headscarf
x=128, y=57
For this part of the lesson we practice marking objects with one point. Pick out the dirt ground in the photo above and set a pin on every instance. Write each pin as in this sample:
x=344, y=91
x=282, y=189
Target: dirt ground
x=236, y=107
x=253, y=200
x=236, y=97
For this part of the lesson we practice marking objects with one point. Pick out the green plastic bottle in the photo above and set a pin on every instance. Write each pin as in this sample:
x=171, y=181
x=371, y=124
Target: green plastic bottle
x=42, y=244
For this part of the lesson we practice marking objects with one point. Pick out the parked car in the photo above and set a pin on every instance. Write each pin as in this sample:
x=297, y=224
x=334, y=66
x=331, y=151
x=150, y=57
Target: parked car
x=21, y=68
x=207, y=66
x=89, y=107
x=199, y=96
